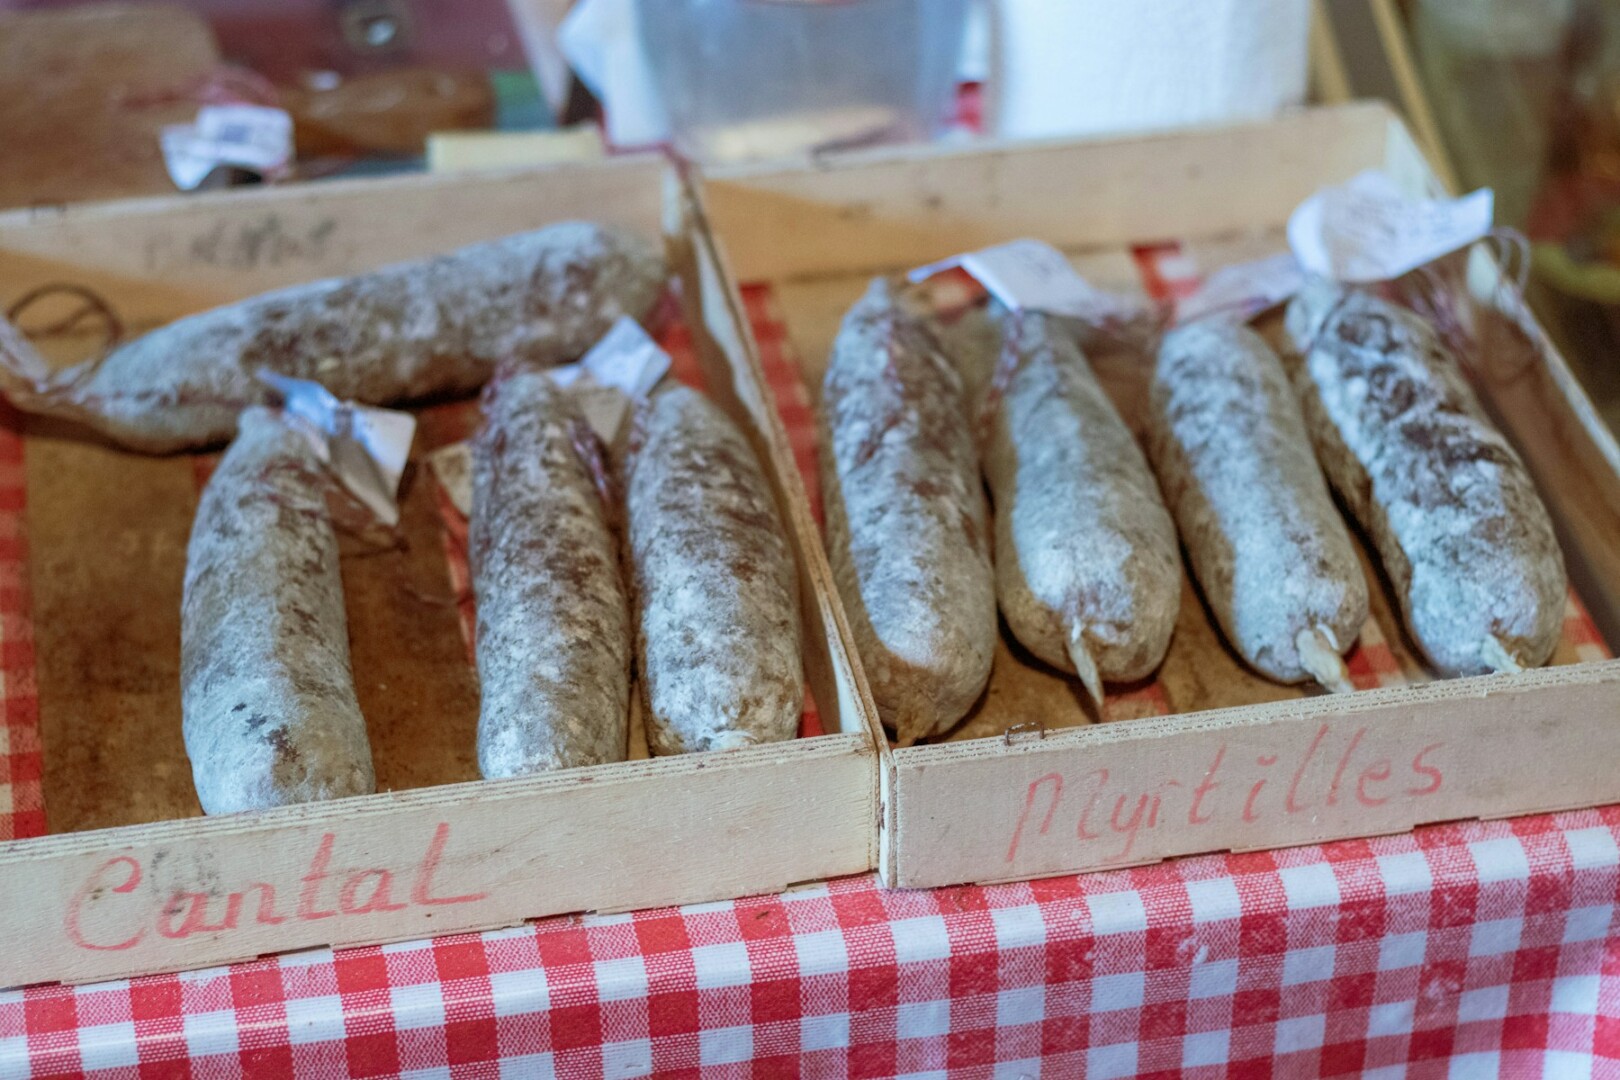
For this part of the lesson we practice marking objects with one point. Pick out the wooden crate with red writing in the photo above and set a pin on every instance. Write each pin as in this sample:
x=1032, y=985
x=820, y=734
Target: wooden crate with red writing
x=108, y=868
x=1206, y=755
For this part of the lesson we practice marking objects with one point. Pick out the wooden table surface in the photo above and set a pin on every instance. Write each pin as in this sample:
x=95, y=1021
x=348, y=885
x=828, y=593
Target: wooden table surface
x=84, y=93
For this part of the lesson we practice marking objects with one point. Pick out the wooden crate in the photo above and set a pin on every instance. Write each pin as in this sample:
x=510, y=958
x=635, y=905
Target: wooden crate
x=1238, y=763
x=131, y=878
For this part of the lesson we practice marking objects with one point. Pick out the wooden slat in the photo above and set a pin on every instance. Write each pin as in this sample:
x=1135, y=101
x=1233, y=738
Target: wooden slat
x=629, y=835
x=1366, y=764
x=84, y=93
x=883, y=210
x=166, y=256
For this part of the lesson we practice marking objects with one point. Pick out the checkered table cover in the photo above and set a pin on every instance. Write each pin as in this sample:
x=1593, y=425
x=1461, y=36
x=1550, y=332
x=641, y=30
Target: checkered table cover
x=1463, y=950
x=1477, y=949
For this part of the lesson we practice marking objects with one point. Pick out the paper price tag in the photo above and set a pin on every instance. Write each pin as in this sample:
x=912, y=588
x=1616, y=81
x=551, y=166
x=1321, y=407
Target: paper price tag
x=1029, y=275
x=256, y=136
x=453, y=467
x=1241, y=291
x=1368, y=230
x=253, y=137
x=626, y=364
x=365, y=448
x=622, y=367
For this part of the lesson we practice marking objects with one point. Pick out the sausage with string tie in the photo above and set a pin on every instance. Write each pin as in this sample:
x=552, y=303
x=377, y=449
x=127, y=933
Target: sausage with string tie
x=1268, y=547
x=267, y=692
x=553, y=641
x=1446, y=501
x=1087, y=567
x=428, y=328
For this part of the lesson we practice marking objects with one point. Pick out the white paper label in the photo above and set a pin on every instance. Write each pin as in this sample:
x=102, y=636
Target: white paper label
x=18, y=355
x=251, y=137
x=453, y=467
x=622, y=367
x=1368, y=230
x=1029, y=275
x=1241, y=291
x=365, y=448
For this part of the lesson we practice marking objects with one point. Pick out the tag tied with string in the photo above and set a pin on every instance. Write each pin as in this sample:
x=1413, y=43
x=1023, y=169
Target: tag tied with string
x=1362, y=232
x=622, y=368
x=365, y=448
x=1033, y=276
x=1368, y=230
x=256, y=138
x=1241, y=291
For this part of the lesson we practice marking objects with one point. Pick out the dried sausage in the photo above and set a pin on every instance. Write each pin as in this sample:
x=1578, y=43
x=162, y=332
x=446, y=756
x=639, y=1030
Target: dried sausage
x=718, y=638
x=1446, y=501
x=267, y=693
x=1087, y=567
x=907, y=526
x=553, y=641
x=413, y=330
x=1269, y=549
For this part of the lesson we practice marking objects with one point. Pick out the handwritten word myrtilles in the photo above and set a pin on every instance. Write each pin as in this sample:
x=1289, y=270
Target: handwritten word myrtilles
x=1229, y=792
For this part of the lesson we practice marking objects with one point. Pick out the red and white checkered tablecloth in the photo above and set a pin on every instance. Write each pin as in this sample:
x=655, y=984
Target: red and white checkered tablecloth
x=1478, y=949
x=1459, y=951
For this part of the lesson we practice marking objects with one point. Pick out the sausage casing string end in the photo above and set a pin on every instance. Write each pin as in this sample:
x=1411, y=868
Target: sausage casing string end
x=1085, y=666
x=1498, y=657
x=1321, y=659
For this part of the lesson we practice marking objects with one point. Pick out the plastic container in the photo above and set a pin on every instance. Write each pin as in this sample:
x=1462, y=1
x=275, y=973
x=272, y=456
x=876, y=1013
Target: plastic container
x=752, y=79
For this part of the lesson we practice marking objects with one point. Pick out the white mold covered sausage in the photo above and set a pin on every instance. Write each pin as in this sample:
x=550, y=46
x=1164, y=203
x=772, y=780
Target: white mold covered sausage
x=267, y=691
x=714, y=584
x=907, y=526
x=1447, y=502
x=410, y=331
x=553, y=641
x=1088, y=571
x=1267, y=545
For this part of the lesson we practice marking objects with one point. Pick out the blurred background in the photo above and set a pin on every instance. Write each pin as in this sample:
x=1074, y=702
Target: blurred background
x=115, y=99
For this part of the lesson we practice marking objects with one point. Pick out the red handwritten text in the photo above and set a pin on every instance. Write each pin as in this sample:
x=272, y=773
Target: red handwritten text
x=322, y=893
x=1238, y=787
